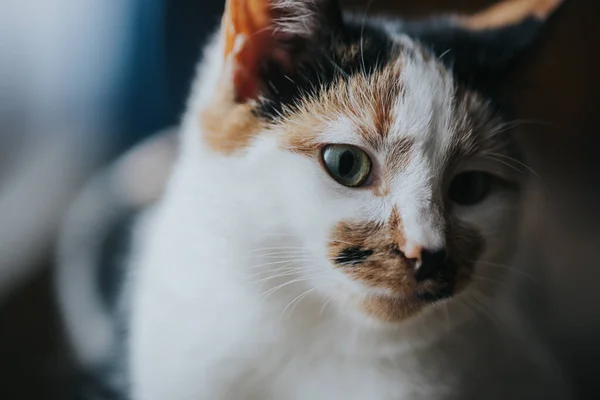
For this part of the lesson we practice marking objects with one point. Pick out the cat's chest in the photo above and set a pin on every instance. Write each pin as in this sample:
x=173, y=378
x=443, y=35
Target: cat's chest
x=298, y=374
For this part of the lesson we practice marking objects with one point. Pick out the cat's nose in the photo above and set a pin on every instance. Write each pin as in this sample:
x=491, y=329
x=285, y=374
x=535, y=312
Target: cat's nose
x=431, y=262
x=412, y=251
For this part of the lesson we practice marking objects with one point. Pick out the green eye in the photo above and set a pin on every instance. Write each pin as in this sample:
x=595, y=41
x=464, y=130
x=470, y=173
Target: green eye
x=347, y=164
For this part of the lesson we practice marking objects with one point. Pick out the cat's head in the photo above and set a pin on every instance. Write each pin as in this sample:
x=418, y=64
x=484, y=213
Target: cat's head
x=374, y=143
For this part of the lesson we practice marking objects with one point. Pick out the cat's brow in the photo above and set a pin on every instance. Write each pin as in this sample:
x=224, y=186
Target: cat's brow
x=399, y=153
x=367, y=103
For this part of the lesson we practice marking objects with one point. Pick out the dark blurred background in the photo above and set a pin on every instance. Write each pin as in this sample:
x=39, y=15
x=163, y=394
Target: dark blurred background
x=83, y=80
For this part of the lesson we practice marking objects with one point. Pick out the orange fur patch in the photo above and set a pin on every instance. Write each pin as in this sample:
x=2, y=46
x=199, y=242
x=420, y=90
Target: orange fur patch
x=244, y=17
x=248, y=29
x=366, y=101
x=227, y=125
x=510, y=12
x=397, y=228
x=370, y=253
x=382, y=188
x=386, y=268
x=390, y=309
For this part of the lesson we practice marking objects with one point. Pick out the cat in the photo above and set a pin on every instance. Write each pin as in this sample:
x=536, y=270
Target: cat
x=338, y=222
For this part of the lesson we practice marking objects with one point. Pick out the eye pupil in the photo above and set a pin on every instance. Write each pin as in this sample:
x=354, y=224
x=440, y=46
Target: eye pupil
x=470, y=188
x=346, y=164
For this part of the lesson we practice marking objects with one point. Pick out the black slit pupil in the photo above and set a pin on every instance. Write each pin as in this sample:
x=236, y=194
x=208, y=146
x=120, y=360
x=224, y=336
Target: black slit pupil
x=346, y=164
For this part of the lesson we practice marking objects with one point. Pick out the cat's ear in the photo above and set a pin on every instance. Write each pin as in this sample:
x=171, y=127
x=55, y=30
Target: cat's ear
x=262, y=34
x=483, y=45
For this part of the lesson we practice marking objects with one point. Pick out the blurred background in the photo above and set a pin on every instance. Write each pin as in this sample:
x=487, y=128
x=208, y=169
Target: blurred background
x=81, y=81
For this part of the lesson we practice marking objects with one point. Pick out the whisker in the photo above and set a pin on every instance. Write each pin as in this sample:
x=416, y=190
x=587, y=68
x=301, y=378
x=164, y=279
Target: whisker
x=467, y=302
x=278, y=248
x=362, y=32
x=484, y=308
x=344, y=242
x=337, y=66
x=280, y=254
x=508, y=267
x=279, y=262
x=519, y=163
x=280, y=272
x=504, y=163
x=296, y=300
x=496, y=282
x=268, y=278
x=443, y=54
x=504, y=126
x=325, y=304
x=274, y=270
x=269, y=292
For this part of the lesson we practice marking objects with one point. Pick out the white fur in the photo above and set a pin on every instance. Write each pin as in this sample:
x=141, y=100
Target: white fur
x=211, y=318
x=299, y=16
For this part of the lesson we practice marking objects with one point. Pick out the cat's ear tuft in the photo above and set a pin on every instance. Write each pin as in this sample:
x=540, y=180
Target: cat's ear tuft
x=258, y=33
x=480, y=46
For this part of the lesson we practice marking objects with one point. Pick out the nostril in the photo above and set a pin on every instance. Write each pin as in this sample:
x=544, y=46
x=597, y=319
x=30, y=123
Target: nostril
x=432, y=262
x=411, y=262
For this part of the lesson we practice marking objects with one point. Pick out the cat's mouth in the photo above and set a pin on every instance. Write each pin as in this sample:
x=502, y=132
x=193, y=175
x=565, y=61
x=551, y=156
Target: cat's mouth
x=400, y=293
x=397, y=306
x=394, y=286
x=433, y=296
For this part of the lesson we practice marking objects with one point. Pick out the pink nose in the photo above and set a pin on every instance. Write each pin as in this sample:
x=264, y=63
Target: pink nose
x=413, y=251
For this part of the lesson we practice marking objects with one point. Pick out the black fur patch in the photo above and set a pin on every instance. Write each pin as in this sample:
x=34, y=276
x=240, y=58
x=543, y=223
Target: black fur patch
x=353, y=256
x=478, y=59
x=432, y=264
x=333, y=57
x=438, y=267
x=432, y=297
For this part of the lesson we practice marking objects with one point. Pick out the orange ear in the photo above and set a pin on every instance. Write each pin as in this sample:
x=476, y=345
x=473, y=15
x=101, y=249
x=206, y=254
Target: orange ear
x=511, y=12
x=248, y=29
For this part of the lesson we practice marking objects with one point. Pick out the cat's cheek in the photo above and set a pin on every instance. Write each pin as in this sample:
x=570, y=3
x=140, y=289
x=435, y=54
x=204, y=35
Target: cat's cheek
x=497, y=221
x=312, y=202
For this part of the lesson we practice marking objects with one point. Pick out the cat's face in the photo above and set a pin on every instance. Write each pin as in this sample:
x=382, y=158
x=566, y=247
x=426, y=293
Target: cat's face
x=396, y=180
x=400, y=184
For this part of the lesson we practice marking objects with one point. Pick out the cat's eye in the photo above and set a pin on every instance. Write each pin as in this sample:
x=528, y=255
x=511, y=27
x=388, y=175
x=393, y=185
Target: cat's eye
x=347, y=164
x=470, y=188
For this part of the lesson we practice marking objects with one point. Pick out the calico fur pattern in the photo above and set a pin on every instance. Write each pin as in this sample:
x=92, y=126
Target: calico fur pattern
x=257, y=276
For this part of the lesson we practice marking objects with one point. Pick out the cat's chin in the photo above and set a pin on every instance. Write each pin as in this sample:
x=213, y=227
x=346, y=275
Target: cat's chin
x=390, y=309
x=420, y=324
x=399, y=306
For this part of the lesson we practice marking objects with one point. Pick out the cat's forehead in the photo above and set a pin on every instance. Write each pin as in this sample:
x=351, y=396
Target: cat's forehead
x=409, y=102
x=302, y=66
